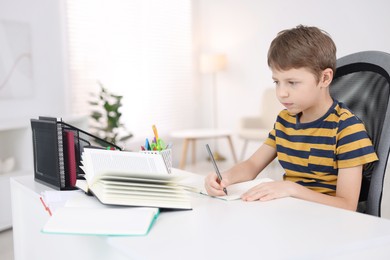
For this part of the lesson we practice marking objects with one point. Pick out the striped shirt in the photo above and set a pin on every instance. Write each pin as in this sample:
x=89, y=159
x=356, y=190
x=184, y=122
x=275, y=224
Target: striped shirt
x=311, y=153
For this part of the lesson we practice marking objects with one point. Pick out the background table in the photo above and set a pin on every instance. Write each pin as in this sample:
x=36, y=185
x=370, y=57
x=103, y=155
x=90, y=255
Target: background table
x=192, y=135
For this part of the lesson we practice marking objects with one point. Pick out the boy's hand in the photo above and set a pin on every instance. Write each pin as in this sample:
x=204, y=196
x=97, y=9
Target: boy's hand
x=213, y=185
x=269, y=191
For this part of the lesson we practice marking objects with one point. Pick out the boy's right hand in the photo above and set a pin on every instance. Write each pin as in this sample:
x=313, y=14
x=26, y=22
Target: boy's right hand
x=213, y=186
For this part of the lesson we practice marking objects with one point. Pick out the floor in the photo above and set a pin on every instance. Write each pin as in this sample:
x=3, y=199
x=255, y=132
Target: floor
x=6, y=245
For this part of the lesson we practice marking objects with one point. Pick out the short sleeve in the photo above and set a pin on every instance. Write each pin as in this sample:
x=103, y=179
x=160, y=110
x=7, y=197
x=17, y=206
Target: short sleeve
x=354, y=147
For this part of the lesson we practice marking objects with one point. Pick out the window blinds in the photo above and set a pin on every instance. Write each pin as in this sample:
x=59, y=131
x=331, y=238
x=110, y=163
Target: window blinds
x=141, y=49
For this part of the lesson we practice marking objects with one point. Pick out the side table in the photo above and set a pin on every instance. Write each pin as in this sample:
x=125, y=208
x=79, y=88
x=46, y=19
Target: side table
x=192, y=135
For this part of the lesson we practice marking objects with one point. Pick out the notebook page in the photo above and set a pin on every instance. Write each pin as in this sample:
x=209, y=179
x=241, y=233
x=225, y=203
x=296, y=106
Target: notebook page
x=85, y=215
x=236, y=190
x=97, y=161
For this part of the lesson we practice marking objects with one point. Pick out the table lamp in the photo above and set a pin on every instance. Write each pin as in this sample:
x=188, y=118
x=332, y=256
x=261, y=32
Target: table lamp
x=212, y=64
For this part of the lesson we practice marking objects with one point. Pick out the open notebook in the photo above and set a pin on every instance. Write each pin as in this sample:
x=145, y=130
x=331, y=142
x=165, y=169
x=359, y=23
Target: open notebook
x=85, y=215
x=236, y=190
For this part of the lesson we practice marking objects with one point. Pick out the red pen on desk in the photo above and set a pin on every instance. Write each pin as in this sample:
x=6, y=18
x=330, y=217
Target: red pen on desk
x=46, y=207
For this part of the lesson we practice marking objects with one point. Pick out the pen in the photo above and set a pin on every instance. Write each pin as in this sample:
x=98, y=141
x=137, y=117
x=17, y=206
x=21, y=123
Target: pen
x=155, y=135
x=147, y=145
x=215, y=166
x=160, y=144
x=46, y=207
x=155, y=131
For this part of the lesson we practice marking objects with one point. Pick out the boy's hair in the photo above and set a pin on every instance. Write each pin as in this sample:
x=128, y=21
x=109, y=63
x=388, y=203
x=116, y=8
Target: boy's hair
x=303, y=47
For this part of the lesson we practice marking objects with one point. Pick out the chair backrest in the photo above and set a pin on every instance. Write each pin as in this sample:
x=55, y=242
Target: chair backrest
x=362, y=82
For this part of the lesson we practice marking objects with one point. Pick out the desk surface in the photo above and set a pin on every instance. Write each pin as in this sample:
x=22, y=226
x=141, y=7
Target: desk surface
x=279, y=229
x=283, y=229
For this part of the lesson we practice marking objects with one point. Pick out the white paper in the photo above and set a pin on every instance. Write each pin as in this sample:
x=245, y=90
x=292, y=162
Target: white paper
x=97, y=161
x=236, y=190
x=85, y=215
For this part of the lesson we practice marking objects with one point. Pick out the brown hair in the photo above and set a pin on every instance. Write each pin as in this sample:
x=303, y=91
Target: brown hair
x=303, y=47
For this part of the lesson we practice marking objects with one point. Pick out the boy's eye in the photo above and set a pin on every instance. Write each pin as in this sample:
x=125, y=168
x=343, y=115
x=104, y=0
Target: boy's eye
x=292, y=83
x=276, y=82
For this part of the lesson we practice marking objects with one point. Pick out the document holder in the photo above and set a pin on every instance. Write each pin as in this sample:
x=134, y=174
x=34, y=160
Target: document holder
x=57, y=148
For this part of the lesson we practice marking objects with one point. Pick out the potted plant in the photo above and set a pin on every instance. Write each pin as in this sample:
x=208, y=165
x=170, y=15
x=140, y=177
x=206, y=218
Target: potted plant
x=106, y=117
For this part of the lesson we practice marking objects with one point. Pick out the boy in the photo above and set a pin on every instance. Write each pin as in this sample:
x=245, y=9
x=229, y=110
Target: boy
x=319, y=142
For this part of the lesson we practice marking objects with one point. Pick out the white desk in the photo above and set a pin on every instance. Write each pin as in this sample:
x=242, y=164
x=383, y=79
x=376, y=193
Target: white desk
x=192, y=135
x=214, y=229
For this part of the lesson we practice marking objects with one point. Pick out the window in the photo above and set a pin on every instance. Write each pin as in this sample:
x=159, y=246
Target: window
x=141, y=49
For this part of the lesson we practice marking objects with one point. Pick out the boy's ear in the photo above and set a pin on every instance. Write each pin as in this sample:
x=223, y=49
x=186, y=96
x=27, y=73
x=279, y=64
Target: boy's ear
x=327, y=76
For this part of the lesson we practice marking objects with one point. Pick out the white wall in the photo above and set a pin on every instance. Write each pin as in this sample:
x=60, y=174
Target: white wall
x=241, y=29
x=244, y=30
x=47, y=46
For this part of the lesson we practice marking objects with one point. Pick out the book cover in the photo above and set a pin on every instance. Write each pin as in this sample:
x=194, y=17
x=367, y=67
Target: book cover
x=70, y=158
x=48, y=153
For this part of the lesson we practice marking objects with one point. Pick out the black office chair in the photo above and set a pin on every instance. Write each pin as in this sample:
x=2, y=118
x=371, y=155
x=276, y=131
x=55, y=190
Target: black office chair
x=362, y=82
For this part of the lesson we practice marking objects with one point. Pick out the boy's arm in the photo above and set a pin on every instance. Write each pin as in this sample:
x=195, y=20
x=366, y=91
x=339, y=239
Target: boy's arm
x=347, y=192
x=250, y=168
x=243, y=171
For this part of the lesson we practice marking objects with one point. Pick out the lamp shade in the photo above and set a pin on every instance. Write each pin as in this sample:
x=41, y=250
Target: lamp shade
x=211, y=63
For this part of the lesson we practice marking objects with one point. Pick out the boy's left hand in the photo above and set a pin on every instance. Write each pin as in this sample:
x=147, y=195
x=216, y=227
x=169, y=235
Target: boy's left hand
x=269, y=191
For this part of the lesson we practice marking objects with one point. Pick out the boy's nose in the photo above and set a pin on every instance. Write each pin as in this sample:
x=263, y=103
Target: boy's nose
x=281, y=91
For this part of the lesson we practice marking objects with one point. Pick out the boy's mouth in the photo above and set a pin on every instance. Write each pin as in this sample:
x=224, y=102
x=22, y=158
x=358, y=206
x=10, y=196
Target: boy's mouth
x=287, y=105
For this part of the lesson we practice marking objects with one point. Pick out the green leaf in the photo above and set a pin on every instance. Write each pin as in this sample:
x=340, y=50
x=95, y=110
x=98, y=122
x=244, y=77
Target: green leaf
x=110, y=104
x=96, y=115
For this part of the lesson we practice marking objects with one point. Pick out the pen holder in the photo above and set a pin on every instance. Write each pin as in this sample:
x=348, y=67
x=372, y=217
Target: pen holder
x=166, y=155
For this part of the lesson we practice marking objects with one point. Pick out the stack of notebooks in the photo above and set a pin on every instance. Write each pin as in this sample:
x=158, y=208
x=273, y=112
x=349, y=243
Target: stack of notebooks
x=132, y=179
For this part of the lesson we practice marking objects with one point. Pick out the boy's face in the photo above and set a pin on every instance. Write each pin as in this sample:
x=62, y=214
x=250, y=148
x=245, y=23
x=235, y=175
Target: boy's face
x=298, y=90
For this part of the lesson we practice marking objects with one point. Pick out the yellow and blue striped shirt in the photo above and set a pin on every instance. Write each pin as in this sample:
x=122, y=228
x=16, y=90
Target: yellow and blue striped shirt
x=311, y=153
